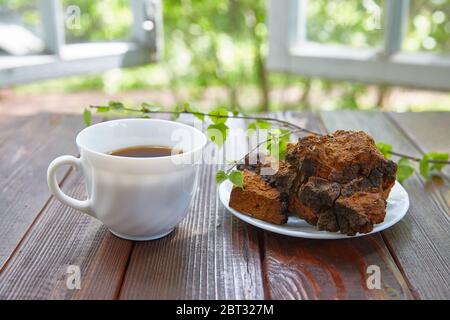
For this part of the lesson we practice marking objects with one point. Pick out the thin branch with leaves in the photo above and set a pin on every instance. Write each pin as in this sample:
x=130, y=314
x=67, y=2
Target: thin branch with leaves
x=428, y=164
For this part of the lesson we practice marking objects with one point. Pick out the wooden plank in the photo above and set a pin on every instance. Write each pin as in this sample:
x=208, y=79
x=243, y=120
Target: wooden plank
x=9, y=123
x=429, y=131
x=328, y=269
x=420, y=241
x=62, y=237
x=25, y=152
x=211, y=255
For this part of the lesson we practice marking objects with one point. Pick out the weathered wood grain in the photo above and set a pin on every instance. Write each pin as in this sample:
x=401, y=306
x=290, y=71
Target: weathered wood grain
x=10, y=123
x=429, y=131
x=328, y=269
x=26, y=149
x=420, y=242
x=62, y=237
x=211, y=255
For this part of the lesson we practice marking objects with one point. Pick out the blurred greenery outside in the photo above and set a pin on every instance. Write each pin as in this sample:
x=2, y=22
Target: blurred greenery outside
x=221, y=46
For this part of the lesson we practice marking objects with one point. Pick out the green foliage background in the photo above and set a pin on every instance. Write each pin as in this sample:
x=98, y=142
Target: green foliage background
x=219, y=43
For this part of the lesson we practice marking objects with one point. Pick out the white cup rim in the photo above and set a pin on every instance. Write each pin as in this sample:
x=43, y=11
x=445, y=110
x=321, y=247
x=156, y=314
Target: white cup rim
x=117, y=158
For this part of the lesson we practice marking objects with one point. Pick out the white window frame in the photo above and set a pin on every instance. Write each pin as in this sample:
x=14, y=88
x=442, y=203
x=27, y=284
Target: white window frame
x=289, y=51
x=60, y=59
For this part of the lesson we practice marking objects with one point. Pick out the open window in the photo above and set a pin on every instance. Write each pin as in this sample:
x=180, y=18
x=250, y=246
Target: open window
x=298, y=45
x=39, y=41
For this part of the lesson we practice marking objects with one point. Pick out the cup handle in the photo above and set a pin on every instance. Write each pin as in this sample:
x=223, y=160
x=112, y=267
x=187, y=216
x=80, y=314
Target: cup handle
x=82, y=205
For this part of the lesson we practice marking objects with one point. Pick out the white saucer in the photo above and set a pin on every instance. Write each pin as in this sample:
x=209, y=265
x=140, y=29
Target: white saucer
x=397, y=206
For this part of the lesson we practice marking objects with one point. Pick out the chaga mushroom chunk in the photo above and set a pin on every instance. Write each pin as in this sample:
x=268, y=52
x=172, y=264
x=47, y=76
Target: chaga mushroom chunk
x=319, y=193
x=337, y=182
x=341, y=181
x=259, y=199
x=319, y=196
x=359, y=212
x=340, y=157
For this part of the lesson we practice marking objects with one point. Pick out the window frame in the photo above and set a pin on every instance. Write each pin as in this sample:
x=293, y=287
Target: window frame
x=290, y=52
x=60, y=59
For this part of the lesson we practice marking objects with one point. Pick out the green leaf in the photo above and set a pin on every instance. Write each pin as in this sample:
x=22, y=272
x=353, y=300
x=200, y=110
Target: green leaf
x=146, y=107
x=282, y=150
x=217, y=133
x=237, y=178
x=221, y=176
x=251, y=128
x=279, y=134
x=219, y=115
x=87, y=117
x=115, y=105
x=281, y=147
x=176, y=113
x=257, y=124
x=285, y=134
x=102, y=109
x=424, y=167
x=385, y=149
x=404, y=169
x=278, y=140
x=194, y=111
x=235, y=111
x=263, y=124
x=440, y=156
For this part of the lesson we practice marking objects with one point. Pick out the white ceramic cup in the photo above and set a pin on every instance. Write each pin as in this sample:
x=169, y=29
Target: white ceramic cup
x=136, y=198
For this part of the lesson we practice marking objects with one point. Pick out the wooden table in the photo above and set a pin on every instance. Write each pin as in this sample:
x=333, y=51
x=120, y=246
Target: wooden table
x=213, y=255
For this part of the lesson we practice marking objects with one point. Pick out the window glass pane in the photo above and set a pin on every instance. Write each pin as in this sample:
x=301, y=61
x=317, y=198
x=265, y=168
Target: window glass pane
x=353, y=23
x=428, y=26
x=20, y=28
x=87, y=20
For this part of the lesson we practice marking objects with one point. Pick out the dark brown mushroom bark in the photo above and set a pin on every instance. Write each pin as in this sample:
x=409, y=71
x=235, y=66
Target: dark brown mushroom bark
x=340, y=181
x=337, y=182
